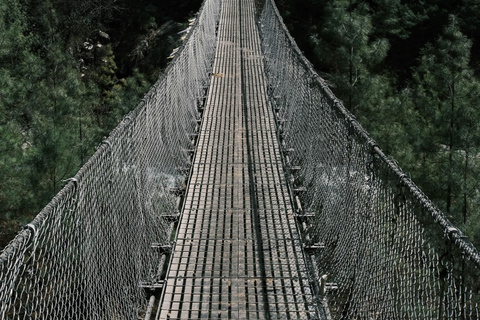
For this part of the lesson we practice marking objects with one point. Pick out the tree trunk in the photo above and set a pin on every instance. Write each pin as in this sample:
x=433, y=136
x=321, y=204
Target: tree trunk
x=465, y=174
x=450, y=151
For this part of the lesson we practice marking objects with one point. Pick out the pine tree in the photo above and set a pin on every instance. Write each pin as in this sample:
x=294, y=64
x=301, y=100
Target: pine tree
x=469, y=20
x=18, y=66
x=446, y=95
x=57, y=130
x=392, y=18
x=349, y=55
x=44, y=96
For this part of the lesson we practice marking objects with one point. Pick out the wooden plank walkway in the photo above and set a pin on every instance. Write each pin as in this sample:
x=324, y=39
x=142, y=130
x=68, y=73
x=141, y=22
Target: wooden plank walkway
x=238, y=254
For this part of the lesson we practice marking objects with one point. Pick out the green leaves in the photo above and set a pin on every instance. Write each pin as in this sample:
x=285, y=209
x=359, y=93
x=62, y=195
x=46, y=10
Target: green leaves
x=12, y=29
x=407, y=70
x=346, y=50
x=393, y=18
x=446, y=95
x=54, y=109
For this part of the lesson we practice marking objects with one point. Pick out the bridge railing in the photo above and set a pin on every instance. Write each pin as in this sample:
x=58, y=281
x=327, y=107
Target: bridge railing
x=387, y=251
x=93, y=249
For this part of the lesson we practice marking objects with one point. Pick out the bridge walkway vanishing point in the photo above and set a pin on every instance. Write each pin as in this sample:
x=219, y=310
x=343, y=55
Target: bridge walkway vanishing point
x=237, y=253
x=100, y=247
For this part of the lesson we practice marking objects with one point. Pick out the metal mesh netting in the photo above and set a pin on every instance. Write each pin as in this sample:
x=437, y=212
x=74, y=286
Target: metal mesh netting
x=388, y=252
x=86, y=254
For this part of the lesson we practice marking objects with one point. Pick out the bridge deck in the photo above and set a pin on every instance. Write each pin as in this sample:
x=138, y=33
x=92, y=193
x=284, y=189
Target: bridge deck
x=237, y=254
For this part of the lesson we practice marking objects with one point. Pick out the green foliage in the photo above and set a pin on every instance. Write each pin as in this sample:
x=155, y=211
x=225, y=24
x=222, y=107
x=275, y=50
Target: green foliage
x=392, y=18
x=409, y=72
x=469, y=20
x=345, y=47
x=446, y=94
x=66, y=80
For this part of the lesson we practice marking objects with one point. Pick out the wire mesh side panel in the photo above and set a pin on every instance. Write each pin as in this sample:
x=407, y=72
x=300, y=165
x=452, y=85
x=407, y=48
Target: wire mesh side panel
x=386, y=249
x=85, y=254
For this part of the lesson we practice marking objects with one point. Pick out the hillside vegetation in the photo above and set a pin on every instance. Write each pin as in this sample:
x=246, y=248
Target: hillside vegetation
x=409, y=71
x=69, y=71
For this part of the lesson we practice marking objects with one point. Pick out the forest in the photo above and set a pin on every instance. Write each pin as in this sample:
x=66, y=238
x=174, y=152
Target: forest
x=69, y=71
x=410, y=73
x=408, y=70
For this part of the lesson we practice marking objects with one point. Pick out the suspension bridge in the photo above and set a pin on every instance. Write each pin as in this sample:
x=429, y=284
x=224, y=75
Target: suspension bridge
x=240, y=188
